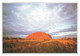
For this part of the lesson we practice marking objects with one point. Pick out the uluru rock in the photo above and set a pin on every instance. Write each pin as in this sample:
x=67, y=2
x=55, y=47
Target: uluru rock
x=39, y=35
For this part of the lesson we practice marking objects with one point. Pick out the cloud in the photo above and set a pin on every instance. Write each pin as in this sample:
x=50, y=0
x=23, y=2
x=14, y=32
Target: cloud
x=65, y=33
x=26, y=18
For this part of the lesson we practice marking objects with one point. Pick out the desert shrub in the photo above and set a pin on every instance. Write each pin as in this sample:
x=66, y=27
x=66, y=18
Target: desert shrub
x=46, y=39
x=50, y=47
x=16, y=40
x=69, y=38
x=64, y=38
x=74, y=38
x=54, y=47
x=6, y=38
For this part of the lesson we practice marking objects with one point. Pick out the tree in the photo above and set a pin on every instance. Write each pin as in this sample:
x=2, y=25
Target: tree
x=64, y=38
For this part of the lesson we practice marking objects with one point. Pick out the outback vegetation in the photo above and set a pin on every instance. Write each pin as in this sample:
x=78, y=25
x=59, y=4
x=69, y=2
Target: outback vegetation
x=19, y=45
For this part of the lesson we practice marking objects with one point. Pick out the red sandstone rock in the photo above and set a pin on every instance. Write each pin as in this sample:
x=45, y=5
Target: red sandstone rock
x=39, y=35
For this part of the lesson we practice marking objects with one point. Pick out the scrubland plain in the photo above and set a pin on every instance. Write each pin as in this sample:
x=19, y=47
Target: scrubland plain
x=18, y=45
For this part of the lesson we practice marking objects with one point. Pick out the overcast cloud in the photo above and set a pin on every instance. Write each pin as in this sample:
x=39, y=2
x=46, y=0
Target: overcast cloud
x=56, y=19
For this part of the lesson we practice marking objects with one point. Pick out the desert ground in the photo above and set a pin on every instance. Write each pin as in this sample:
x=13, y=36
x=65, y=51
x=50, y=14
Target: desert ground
x=16, y=45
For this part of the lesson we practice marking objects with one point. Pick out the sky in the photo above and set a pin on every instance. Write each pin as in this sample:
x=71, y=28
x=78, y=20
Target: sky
x=57, y=19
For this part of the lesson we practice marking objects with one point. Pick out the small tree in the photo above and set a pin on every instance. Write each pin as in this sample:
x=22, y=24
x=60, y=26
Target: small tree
x=74, y=38
x=16, y=40
x=64, y=38
x=69, y=38
x=7, y=38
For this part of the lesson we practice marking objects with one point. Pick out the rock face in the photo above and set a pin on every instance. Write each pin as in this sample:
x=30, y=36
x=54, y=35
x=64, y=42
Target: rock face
x=39, y=35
